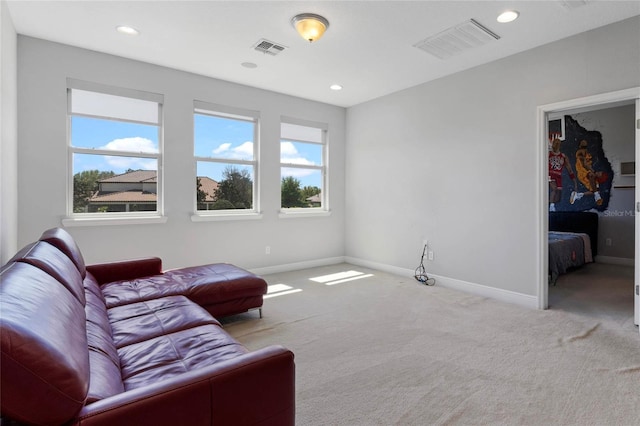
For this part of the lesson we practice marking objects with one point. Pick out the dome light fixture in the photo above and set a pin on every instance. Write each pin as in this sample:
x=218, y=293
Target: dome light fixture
x=310, y=26
x=124, y=29
x=335, y=87
x=508, y=16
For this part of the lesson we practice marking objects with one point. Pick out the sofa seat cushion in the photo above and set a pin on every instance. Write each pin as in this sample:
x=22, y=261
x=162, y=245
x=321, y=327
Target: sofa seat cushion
x=223, y=285
x=173, y=354
x=146, y=320
x=118, y=293
x=231, y=282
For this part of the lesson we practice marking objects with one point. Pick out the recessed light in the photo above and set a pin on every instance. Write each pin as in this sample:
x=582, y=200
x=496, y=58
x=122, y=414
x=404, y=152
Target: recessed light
x=335, y=87
x=508, y=16
x=250, y=65
x=123, y=29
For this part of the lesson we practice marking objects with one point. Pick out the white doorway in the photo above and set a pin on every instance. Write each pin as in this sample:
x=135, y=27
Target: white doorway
x=622, y=97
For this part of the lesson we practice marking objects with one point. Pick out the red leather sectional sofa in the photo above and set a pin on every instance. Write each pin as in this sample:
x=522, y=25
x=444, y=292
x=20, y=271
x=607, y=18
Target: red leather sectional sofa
x=124, y=343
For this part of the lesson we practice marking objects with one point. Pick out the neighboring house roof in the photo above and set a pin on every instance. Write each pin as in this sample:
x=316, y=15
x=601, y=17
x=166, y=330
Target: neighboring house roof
x=134, y=176
x=209, y=187
x=124, y=197
x=315, y=198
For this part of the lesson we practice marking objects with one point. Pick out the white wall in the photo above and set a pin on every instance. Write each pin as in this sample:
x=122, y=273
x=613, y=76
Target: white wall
x=616, y=125
x=454, y=160
x=8, y=135
x=42, y=167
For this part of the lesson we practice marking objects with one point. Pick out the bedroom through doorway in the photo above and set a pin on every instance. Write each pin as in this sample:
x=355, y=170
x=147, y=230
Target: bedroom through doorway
x=596, y=140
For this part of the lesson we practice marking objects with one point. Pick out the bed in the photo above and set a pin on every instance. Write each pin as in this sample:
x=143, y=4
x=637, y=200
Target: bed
x=573, y=241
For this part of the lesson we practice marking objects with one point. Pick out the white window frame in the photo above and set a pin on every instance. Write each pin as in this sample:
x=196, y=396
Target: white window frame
x=224, y=111
x=323, y=210
x=114, y=218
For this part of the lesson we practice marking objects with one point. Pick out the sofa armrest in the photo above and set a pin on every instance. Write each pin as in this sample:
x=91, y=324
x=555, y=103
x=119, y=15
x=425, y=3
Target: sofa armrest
x=255, y=388
x=125, y=269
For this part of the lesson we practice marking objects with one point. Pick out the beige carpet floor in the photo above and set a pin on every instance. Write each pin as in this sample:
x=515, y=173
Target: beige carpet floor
x=379, y=349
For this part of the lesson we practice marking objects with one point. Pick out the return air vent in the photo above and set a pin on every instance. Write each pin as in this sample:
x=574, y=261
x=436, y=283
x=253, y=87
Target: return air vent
x=268, y=47
x=457, y=39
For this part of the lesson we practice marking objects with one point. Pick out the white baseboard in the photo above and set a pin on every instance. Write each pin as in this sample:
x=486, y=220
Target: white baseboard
x=507, y=296
x=379, y=266
x=615, y=260
x=298, y=265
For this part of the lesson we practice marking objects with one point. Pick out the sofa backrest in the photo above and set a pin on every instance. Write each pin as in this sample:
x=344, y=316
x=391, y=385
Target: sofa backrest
x=55, y=263
x=61, y=239
x=44, y=360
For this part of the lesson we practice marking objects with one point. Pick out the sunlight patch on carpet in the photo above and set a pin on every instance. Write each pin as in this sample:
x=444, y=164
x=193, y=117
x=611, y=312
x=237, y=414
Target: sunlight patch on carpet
x=340, y=277
x=275, y=290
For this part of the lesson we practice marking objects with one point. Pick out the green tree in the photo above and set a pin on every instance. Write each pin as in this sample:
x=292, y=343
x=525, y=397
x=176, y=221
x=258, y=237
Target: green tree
x=200, y=195
x=85, y=184
x=309, y=191
x=290, y=192
x=236, y=188
x=223, y=205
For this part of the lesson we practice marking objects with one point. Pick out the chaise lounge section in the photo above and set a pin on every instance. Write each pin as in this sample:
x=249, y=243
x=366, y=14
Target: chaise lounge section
x=124, y=343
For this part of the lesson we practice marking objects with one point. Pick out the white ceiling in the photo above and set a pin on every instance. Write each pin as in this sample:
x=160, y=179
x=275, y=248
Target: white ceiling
x=368, y=47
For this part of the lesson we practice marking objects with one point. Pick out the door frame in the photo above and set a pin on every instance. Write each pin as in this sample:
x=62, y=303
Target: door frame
x=542, y=225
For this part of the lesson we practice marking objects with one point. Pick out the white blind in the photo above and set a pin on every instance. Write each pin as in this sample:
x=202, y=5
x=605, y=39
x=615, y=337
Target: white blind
x=300, y=133
x=112, y=106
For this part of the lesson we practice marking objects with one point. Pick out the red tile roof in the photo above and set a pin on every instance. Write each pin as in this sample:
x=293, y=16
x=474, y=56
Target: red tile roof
x=209, y=186
x=124, y=197
x=134, y=176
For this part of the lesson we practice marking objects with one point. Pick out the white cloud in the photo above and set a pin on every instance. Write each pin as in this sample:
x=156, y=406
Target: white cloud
x=289, y=154
x=241, y=152
x=287, y=149
x=297, y=173
x=136, y=144
x=133, y=163
x=222, y=148
x=133, y=145
x=246, y=149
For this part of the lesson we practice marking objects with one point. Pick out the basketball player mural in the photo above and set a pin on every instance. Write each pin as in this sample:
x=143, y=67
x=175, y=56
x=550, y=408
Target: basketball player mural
x=557, y=163
x=590, y=178
x=580, y=157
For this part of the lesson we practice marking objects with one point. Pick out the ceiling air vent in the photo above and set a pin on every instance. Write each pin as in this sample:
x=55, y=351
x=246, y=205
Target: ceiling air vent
x=268, y=47
x=573, y=4
x=457, y=39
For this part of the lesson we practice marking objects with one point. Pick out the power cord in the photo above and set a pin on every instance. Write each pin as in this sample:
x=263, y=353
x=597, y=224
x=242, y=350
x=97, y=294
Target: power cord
x=421, y=273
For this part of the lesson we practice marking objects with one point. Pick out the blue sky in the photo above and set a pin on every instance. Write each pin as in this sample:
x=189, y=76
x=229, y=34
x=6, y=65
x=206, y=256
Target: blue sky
x=113, y=135
x=214, y=137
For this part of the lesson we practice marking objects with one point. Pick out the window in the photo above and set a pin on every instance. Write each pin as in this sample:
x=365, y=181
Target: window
x=303, y=165
x=225, y=152
x=115, y=140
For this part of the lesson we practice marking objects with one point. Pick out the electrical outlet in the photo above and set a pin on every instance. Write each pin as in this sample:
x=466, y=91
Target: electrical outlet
x=608, y=242
x=267, y=250
x=430, y=255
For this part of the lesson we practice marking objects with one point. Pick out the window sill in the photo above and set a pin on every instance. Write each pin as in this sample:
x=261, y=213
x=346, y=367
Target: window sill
x=120, y=220
x=303, y=213
x=200, y=217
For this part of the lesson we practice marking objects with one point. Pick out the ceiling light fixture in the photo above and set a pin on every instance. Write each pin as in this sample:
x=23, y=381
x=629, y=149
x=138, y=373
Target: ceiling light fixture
x=310, y=26
x=335, y=87
x=508, y=16
x=123, y=29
